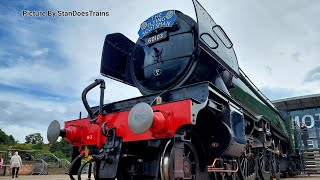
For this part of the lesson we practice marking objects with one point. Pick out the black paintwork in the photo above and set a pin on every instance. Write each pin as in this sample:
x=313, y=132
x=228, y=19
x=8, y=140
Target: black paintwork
x=85, y=92
x=111, y=153
x=170, y=63
x=76, y=161
x=115, y=58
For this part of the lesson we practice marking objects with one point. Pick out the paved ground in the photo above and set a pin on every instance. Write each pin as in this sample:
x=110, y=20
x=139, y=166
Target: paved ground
x=65, y=177
x=40, y=177
x=303, y=178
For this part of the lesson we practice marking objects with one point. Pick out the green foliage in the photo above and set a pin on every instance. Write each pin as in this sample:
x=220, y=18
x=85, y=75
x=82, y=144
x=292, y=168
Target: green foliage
x=37, y=146
x=34, y=141
x=34, y=138
x=63, y=146
x=3, y=147
x=46, y=147
x=60, y=154
x=22, y=146
x=6, y=139
x=42, y=151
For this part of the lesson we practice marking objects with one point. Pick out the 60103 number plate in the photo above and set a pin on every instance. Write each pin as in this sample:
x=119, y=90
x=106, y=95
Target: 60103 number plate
x=156, y=38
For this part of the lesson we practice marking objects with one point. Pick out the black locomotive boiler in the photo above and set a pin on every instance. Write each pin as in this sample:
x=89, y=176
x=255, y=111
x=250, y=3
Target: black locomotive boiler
x=200, y=117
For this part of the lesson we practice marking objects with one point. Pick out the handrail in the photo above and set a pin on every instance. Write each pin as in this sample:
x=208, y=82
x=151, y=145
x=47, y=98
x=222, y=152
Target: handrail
x=63, y=163
x=84, y=98
x=32, y=157
x=51, y=154
x=45, y=166
x=42, y=167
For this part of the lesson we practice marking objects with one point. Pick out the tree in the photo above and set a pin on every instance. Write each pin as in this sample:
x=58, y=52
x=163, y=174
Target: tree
x=62, y=146
x=11, y=140
x=6, y=139
x=38, y=146
x=34, y=138
x=3, y=137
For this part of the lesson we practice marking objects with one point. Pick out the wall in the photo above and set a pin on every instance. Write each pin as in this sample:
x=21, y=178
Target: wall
x=25, y=169
x=311, y=117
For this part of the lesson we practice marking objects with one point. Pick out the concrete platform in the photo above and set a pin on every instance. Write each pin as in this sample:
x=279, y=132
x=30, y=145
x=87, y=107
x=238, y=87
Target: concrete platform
x=41, y=177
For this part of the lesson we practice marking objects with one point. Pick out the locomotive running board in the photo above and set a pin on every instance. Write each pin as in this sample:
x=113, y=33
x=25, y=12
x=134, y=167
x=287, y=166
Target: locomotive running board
x=198, y=92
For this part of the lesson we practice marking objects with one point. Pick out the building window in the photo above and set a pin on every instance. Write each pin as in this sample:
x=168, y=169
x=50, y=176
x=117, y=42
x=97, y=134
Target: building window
x=312, y=133
x=310, y=144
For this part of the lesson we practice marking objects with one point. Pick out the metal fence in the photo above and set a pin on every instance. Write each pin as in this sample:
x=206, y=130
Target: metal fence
x=54, y=161
x=40, y=168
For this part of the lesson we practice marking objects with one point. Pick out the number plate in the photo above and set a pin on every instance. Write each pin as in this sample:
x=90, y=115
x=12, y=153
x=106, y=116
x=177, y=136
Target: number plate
x=156, y=38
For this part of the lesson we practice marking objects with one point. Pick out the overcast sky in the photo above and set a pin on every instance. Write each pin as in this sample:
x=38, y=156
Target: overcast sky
x=46, y=62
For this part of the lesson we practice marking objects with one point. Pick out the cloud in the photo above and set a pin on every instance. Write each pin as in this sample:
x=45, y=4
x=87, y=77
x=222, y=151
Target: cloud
x=45, y=55
x=296, y=56
x=45, y=62
x=39, y=52
x=274, y=93
x=31, y=113
x=313, y=75
x=268, y=69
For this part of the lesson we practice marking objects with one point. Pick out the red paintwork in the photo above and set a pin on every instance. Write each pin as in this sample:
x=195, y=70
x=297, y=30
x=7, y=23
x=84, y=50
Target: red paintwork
x=160, y=123
x=167, y=119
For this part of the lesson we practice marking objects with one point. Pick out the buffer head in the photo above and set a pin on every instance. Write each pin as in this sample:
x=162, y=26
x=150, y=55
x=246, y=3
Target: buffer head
x=140, y=118
x=53, y=131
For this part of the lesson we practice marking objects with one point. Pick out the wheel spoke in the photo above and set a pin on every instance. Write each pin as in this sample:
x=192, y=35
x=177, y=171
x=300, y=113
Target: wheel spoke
x=246, y=167
x=268, y=164
x=190, y=158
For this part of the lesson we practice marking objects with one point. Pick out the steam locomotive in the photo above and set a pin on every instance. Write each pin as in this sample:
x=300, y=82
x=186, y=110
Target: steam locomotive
x=200, y=117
